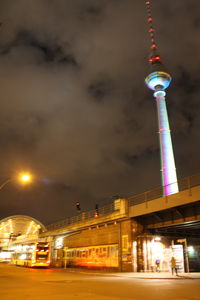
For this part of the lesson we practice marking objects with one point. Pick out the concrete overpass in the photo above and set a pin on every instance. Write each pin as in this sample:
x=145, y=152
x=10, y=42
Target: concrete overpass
x=182, y=207
x=177, y=214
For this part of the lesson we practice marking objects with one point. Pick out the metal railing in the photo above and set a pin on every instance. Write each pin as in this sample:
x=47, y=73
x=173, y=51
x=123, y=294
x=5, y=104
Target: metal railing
x=183, y=184
x=83, y=216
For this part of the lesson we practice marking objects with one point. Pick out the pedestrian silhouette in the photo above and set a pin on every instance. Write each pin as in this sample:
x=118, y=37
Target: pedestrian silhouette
x=173, y=265
x=157, y=264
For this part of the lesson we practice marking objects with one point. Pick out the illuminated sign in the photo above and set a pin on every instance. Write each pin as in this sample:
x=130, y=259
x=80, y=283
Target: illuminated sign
x=59, y=243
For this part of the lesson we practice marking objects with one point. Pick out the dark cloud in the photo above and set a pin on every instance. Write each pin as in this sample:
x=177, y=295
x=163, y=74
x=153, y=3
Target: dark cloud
x=48, y=51
x=148, y=153
x=100, y=88
x=74, y=106
x=187, y=82
x=92, y=11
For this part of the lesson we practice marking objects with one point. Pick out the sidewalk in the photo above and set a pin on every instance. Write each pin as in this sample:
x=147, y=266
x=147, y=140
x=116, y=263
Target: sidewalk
x=139, y=275
x=160, y=275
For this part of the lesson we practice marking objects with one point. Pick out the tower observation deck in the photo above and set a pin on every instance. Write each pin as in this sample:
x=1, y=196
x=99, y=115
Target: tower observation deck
x=158, y=81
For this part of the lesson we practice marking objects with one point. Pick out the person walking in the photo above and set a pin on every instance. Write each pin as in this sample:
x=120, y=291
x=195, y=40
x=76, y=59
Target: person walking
x=157, y=264
x=173, y=265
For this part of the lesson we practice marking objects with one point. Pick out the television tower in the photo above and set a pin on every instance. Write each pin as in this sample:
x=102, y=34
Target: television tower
x=158, y=80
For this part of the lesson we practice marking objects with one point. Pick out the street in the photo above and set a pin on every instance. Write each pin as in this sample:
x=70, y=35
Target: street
x=26, y=283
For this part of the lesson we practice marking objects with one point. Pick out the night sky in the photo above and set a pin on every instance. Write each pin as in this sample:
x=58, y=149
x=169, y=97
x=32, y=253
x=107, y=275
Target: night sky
x=74, y=107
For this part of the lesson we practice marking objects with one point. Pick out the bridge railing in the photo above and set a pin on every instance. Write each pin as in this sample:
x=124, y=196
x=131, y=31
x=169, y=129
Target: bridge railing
x=82, y=216
x=183, y=184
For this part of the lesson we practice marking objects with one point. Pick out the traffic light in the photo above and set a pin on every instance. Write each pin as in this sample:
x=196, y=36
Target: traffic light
x=78, y=206
x=96, y=214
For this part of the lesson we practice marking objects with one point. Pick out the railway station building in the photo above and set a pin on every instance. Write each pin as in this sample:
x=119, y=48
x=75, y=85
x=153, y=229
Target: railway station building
x=138, y=234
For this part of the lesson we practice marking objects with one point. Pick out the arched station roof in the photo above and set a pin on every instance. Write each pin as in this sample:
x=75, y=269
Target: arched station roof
x=19, y=225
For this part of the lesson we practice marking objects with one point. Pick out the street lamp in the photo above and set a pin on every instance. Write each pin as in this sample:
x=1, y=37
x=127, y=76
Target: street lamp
x=23, y=178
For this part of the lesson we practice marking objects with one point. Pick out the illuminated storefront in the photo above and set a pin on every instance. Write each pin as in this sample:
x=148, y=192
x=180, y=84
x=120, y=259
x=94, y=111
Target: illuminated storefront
x=154, y=254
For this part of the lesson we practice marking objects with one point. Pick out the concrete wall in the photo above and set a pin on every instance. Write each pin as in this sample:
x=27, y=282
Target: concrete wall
x=116, y=233
x=98, y=235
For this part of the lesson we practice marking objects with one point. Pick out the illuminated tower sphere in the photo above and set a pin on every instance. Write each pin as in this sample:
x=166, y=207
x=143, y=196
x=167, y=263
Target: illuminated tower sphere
x=158, y=81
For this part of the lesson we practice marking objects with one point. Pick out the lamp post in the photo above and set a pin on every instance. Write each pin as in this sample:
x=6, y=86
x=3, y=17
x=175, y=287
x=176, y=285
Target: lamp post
x=23, y=178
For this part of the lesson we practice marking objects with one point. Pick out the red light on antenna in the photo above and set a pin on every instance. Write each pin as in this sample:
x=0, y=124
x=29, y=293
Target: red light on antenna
x=154, y=59
x=151, y=30
x=147, y=2
x=153, y=46
x=150, y=20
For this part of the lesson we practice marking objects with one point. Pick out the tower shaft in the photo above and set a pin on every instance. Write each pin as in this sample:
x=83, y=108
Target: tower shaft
x=168, y=169
x=158, y=81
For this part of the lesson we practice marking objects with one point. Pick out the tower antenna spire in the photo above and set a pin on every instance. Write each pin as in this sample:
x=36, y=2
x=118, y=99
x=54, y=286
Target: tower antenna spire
x=159, y=81
x=154, y=56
